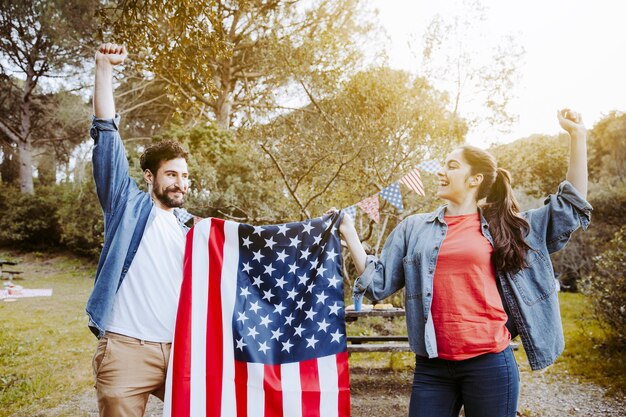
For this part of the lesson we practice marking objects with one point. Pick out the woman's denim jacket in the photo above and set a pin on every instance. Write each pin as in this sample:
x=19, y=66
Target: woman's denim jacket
x=127, y=210
x=409, y=258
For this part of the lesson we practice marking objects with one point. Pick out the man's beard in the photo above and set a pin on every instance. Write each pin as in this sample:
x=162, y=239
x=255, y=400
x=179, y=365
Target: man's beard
x=165, y=199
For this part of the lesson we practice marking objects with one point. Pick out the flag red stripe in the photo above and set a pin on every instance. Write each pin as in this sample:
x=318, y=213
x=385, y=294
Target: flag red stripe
x=410, y=181
x=343, y=380
x=214, y=344
x=241, y=388
x=181, y=371
x=413, y=179
x=414, y=182
x=273, y=391
x=414, y=187
x=310, y=385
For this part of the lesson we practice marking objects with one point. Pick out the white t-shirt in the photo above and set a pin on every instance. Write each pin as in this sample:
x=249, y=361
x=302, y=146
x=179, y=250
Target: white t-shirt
x=146, y=303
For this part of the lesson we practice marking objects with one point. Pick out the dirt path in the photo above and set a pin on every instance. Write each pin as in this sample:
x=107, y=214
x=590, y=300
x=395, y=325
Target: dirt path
x=383, y=393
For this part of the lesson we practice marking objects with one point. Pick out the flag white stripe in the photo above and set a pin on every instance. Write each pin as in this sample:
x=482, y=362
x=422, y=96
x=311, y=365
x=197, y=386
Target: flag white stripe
x=412, y=186
x=256, y=396
x=413, y=181
x=229, y=293
x=199, y=294
x=329, y=383
x=292, y=391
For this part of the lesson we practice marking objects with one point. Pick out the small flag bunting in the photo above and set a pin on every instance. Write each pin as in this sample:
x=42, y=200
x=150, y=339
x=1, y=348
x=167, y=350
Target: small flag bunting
x=393, y=195
x=370, y=207
x=183, y=215
x=351, y=211
x=433, y=166
x=413, y=180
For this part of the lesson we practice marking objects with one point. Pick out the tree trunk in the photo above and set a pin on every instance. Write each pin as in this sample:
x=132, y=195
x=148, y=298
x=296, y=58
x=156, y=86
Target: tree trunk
x=24, y=145
x=25, y=150
x=223, y=109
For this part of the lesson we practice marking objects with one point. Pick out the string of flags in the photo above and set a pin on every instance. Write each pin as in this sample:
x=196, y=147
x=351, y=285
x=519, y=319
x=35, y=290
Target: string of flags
x=393, y=194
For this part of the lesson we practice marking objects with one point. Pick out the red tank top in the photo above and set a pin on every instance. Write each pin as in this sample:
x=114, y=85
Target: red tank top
x=467, y=311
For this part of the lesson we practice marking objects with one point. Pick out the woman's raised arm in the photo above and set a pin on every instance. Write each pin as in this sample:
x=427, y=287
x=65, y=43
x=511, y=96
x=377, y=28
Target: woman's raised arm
x=572, y=122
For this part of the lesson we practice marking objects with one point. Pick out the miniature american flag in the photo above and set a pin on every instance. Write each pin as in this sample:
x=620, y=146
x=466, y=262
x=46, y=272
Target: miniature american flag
x=260, y=329
x=393, y=195
x=413, y=180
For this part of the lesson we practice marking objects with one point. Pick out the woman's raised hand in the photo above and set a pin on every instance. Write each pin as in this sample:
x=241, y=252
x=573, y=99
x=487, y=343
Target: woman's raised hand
x=571, y=121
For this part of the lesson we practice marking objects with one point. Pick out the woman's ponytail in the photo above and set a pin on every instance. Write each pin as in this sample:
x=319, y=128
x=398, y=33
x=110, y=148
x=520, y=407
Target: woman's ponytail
x=507, y=227
x=501, y=210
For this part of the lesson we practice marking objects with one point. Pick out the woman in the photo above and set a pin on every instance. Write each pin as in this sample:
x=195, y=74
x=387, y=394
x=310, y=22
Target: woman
x=474, y=277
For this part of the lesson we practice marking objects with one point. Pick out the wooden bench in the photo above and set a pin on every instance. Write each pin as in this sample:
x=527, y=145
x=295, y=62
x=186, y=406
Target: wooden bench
x=12, y=274
x=384, y=344
x=389, y=344
x=375, y=343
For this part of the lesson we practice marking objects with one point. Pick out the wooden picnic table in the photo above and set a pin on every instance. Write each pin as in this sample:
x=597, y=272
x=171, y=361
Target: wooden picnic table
x=11, y=273
x=376, y=343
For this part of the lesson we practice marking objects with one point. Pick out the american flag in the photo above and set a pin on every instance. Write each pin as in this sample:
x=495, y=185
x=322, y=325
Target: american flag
x=260, y=329
x=413, y=180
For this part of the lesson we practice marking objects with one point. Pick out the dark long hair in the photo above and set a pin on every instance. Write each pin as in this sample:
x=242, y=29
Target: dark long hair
x=501, y=210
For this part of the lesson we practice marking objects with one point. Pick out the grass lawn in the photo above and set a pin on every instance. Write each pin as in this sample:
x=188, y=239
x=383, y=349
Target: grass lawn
x=590, y=353
x=46, y=348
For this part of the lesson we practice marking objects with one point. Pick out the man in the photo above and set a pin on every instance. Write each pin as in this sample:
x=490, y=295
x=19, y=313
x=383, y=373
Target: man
x=132, y=309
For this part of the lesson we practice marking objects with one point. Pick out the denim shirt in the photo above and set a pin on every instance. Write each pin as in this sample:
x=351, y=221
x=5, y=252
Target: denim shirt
x=126, y=209
x=409, y=258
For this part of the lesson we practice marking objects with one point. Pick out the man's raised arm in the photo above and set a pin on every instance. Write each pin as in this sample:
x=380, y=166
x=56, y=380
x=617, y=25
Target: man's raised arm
x=108, y=56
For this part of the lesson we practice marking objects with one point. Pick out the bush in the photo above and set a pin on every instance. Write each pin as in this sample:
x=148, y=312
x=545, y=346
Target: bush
x=607, y=285
x=578, y=259
x=65, y=215
x=29, y=221
x=81, y=221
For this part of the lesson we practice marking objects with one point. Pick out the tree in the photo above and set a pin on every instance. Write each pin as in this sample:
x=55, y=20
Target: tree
x=38, y=39
x=608, y=148
x=474, y=68
x=228, y=60
x=341, y=149
x=537, y=164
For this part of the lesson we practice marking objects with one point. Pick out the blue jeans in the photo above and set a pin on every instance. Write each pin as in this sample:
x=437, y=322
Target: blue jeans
x=487, y=386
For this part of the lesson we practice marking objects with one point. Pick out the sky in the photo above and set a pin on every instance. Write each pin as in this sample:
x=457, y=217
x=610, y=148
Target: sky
x=575, y=55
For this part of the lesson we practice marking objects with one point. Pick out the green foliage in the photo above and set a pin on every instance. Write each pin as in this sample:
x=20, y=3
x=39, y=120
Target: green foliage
x=64, y=215
x=29, y=221
x=607, y=285
x=227, y=59
x=10, y=166
x=228, y=178
x=40, y=39
x=378, y=126
x=537, y=163
x=608, y=148
x=80, y=220
x=578, y=260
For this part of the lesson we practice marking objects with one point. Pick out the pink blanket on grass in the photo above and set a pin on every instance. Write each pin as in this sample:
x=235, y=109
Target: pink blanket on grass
x=43, y=292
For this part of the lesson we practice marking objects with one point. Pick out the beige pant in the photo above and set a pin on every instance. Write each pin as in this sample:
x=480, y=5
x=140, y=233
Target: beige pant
x=127, y=371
